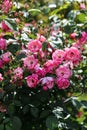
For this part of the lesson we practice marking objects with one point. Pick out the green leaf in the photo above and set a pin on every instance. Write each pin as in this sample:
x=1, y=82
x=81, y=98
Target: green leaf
x=44, y=113
x=44, y=46
x=8, y=127
x=11, y=24
x=13, y=48
x=51, y=122
x=81, y=17
x=1, y=127
x=16, y=123
x=20, y=56
x=34, y=12
x=34, y=111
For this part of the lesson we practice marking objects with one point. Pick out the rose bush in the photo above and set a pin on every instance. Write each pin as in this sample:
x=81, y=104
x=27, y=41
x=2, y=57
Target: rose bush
x=43, y=66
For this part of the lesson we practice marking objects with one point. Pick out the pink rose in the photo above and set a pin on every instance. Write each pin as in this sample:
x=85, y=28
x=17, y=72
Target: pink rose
x=47, y=82
x=34, y=45
x=18, y=73
x=63, y=71
x=50, y=65
x=30, y=62
x=58, y=55
x=32, y=80
x=82, y=6
x=40, y=71
x=4, y=27
x=72, y=54
x=6, y=6
x=83, y=38
x=1, y=78
x=62, y=83
x=73, y=35
x=6, y=57
x=2, y=44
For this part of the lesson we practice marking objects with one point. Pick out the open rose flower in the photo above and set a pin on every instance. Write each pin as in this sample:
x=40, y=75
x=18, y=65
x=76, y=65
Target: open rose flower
x=63, y=71
x=34, y=45
x=62, y=83
x=18, y=73
x=2, y=44
x=6, y=57
x=58, y=55
x=72, y=54
x=6, y=6
x=30, y=62
x=47, y=82
x=32, y=80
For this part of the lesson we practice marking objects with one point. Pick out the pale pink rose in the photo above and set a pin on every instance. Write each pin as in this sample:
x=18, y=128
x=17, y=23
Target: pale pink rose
x=18, y=73
x=41, y=38
x=72, y=54
x=6, y=5
x=5, y=27
x=50, y=65
x=73, y=35
x=1, y=78
x=58, y=55
x=2, y=44
x=30, y=62
x=6, y=57
x=1, y=63
x=82, y=6
x=40, y=71
x=62, y=83
x=63, y=71
x=34, y=45
x=32, y=80
x=47, y=82
x=83, y=38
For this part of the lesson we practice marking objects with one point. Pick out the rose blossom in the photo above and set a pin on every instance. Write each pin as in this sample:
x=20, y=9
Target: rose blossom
x=32, y=80
x=72, y=54
x=63, y=71
x=82, y=6
x=83, y=38
x=73, y=35
x=18, y=73
x=4, y=26
x=47, y=82
x=6, y=5
x=62, y=83
x=1, y=78
x=34, y=45
x=50, y=65
x=58, y=55
x=40, y=71
x=2, y=44
x=6, y=57
x=30, y=62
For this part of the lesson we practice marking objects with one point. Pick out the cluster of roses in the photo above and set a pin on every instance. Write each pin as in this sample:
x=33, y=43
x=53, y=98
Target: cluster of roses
x=46, y=68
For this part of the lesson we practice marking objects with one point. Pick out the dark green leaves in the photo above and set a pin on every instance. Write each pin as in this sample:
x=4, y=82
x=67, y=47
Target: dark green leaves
x=16, y=123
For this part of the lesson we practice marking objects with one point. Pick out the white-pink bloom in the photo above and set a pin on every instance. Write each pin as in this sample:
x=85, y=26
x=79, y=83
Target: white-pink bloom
x=62, y=83
x=34, y=45
x=82, y=6
x=2, y=44
x=40, y=71
x=58, y=55
x=32, y=80
x=30, y=62
x=47, y=82
x=63, y=71
x=18, y=73
x=1, y=78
